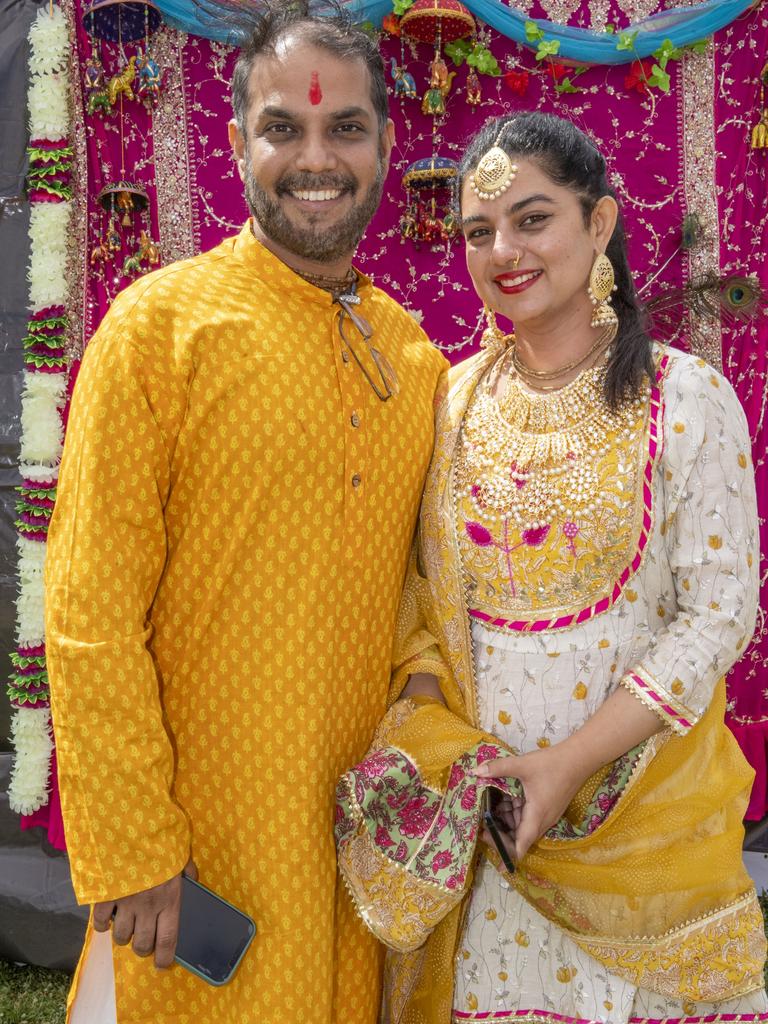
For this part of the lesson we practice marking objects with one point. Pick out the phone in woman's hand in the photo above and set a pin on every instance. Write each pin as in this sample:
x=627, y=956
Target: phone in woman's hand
x=496, y=828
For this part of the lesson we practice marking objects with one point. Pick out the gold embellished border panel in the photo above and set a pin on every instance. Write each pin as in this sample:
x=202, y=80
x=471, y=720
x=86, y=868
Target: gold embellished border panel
x=698, y=127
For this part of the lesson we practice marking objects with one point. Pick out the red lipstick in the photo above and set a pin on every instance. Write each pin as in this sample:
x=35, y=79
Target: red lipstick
x=513, y=284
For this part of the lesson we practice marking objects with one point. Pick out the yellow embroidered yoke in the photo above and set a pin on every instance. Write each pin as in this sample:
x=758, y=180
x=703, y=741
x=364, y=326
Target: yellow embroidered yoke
x=232, y=528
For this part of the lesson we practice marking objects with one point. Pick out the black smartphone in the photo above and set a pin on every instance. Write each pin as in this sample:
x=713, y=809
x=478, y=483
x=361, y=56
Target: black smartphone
x=495, y=828
x=213, y=935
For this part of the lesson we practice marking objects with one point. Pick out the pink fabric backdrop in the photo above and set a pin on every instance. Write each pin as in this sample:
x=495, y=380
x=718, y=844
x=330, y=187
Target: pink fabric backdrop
x=670, y=155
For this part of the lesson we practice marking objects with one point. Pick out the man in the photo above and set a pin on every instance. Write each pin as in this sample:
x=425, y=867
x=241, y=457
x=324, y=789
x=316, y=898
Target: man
x=240, y=485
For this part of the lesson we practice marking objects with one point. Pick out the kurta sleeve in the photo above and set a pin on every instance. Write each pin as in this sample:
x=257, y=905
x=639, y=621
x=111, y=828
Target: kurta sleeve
x=710, y=527
x=415, y=649
x=105, y=557
x=417, y=643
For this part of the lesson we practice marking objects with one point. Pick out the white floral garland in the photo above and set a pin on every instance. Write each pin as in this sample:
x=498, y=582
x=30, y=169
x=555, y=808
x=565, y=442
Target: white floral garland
x=44, y=393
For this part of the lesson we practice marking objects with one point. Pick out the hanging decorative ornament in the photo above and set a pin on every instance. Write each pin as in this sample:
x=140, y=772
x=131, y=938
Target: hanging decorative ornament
x=426, y=21
x=437, y=22
x=121, y=22
x=150, y=78
x=428, y=216
x=760, y=130
x=147, y=252
x=124, y=201
x=440, y=81
x=428, y=182
x=93, y=80
x=474, y=92
x=125, y=239
x=121, y=84
x=405, y=86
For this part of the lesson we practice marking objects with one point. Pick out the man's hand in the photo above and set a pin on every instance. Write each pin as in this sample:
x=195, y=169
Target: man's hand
x=151, y=918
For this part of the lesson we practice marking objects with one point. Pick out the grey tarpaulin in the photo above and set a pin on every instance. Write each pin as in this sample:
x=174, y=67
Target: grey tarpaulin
x=40, y=923
x=39, y=920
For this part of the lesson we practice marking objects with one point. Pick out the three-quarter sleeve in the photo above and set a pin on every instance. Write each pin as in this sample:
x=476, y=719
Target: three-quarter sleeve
x=106, y=555
x=708, y=517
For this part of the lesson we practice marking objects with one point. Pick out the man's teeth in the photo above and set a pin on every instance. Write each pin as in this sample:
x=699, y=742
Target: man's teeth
x=318, y=197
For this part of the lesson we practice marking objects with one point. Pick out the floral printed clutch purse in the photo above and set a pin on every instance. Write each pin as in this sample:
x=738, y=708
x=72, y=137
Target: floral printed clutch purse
x=405, y=849
x=409, y=815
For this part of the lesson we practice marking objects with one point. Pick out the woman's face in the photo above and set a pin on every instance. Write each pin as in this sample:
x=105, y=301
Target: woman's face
x=542, y=224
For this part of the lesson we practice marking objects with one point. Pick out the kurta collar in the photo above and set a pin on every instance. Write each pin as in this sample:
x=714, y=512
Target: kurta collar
x=267, y=266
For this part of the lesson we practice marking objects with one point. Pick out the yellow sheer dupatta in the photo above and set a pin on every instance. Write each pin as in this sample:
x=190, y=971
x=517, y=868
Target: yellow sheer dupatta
x=658, y=892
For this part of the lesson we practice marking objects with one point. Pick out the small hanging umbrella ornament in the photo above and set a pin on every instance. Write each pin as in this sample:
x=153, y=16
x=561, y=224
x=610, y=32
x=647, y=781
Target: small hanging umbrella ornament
x=429, y=186
x=437, y=22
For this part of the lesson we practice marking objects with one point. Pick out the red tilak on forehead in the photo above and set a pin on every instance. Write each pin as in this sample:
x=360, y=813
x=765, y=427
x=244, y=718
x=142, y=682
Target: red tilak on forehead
x=315, y=92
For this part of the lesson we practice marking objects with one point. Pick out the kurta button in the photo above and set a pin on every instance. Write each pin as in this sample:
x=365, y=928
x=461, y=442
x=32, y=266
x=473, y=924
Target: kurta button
x=355, y=420
x=356, y=480
x=344, y=356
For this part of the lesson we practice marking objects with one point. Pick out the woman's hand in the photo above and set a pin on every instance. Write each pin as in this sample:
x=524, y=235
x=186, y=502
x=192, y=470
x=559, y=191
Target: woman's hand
x=550, y=781
x=551, y=777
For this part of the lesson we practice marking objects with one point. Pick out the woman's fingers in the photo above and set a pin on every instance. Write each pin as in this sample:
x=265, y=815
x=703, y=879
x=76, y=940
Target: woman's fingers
x=504, y=812
x=530, y=829
x=499, y=768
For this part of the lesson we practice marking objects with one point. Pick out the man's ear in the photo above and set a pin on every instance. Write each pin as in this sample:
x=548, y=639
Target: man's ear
x=237, y=142
x=386, y=143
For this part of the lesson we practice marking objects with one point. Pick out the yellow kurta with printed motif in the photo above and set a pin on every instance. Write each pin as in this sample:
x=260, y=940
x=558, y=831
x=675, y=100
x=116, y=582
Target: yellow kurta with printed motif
x=232, y=527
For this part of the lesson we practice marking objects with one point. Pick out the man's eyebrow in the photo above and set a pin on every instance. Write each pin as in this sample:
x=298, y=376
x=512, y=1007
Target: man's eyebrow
x=347, y=112
x=514, y=208
x=336, y=115
x=285, y=115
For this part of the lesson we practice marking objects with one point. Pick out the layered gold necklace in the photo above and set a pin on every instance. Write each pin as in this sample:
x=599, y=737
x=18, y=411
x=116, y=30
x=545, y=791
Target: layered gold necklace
x=532, y=459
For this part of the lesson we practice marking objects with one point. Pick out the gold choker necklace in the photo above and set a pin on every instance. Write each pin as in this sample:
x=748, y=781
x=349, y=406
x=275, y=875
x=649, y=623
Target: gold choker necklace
x=532, y=459
x=525, y=371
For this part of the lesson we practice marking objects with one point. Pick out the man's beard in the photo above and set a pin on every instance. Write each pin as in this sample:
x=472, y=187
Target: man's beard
x=321, y=245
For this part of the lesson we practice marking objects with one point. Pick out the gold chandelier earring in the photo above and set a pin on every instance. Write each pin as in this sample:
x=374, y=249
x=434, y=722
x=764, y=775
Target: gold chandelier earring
x=601, y=286
x=493, y=336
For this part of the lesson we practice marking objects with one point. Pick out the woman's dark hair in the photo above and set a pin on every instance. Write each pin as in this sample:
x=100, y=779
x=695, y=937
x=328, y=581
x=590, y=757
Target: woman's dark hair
x=257, y=30
x=569, y=158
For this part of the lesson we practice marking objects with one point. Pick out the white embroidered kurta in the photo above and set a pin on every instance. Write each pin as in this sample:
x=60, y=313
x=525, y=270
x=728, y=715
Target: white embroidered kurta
x=680, y=623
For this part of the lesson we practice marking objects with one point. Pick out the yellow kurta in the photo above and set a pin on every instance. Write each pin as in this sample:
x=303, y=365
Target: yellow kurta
x=232, y=527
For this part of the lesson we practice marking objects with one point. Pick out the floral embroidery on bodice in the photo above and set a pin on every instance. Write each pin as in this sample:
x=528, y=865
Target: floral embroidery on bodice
x=553, y=499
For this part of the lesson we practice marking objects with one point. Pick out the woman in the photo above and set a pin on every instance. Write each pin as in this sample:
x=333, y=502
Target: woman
x=585, y=576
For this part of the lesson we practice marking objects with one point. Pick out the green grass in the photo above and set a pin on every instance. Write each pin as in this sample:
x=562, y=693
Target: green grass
x=32, y=995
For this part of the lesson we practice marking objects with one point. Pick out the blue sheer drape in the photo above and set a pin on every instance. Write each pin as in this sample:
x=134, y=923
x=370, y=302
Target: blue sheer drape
x=681, y=25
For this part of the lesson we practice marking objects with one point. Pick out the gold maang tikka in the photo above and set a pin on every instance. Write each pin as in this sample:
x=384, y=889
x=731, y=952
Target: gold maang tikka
x=494, y=173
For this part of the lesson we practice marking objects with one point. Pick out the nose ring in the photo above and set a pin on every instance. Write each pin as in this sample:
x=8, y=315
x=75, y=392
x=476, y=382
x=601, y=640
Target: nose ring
x=518, y=257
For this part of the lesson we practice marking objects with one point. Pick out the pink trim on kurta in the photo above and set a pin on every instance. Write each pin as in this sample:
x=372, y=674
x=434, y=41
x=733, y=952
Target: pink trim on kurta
x=660, y=699
x=561, y=1018
x=539, y=625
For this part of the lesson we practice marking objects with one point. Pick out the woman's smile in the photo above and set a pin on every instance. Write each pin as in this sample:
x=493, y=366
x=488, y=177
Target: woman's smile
x=514, y=282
